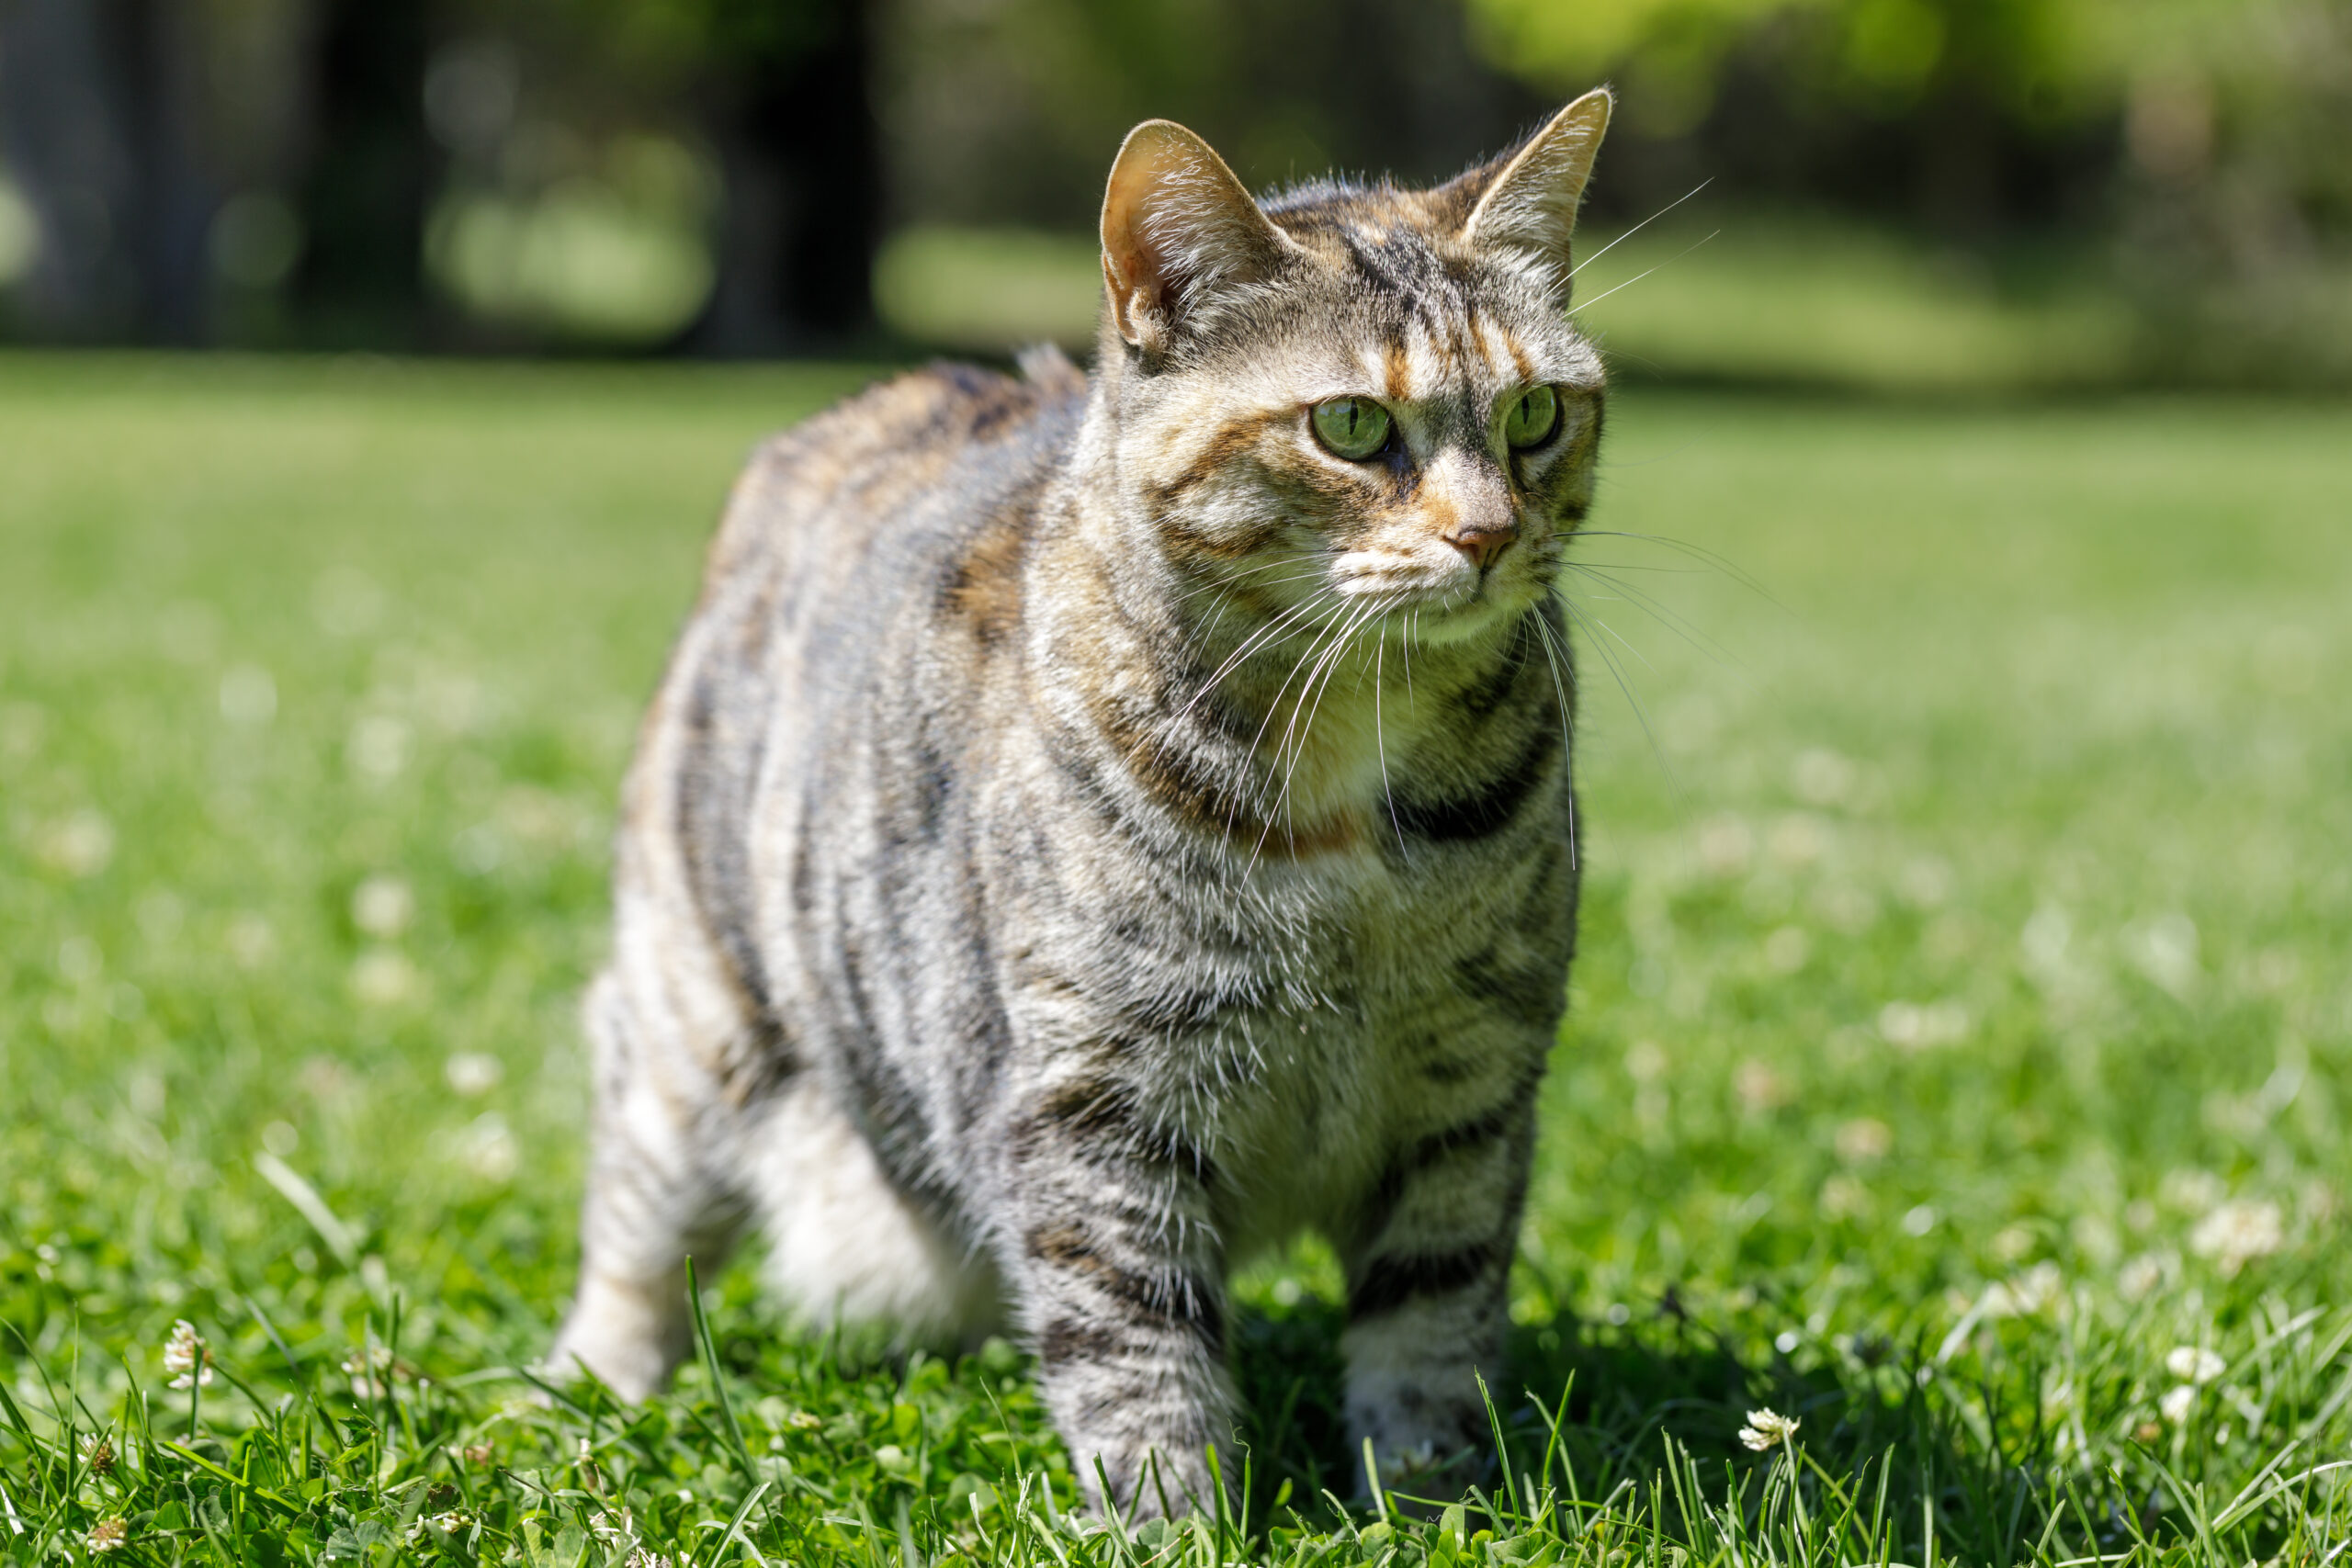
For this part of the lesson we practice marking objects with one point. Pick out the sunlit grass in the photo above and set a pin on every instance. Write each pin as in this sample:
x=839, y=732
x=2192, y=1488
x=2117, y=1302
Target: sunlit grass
x=1744, y=296
x=1955, y=1062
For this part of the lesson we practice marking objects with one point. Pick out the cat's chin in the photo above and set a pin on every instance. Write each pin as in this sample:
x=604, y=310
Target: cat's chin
x=1475, y=621
x=1453, y=620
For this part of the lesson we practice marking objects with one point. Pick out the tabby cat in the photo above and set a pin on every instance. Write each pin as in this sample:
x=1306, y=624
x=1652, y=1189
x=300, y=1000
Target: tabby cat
x=1096, y=827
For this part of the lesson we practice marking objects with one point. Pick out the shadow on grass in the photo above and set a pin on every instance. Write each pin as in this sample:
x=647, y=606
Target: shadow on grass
x=1638, y=1400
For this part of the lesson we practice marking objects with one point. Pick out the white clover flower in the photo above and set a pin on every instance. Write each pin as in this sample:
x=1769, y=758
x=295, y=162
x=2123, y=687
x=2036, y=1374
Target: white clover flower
x=641, y=1557
x=186, y=1356
x=362, y=1366
x=2025, y=1295
x=1917, y=1026
x=2238, y=1232
x=617, y=1528
x=383, y=977
x=2177, y=1404
x=110, y=1534
x=1768, y=1429
x=472, y=1073
x=98, y=1454
x=2192, y=1365
x=384, y=906
x=2142, y=1275
x=80, y=845
x=490, y=1150
x=456, y=1521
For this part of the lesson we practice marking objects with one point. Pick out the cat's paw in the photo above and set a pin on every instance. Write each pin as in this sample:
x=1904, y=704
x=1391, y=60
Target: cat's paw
x=1420, y=1472
x=628, y=1339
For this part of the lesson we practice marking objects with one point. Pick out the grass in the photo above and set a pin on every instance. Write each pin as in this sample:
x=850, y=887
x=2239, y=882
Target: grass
x=1762, y=296
x=1956, y=1061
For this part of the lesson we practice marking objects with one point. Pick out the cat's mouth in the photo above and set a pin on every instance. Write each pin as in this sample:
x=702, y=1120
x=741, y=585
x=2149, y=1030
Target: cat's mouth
x=1437, y=607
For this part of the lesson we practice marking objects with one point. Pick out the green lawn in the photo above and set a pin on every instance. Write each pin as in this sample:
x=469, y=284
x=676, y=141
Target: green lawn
x=1957, y=1061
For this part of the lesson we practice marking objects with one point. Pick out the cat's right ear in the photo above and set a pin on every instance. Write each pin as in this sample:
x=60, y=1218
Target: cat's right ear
x=1176, y=227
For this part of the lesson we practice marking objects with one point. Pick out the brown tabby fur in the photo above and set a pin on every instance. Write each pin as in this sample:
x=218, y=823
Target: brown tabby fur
x=1089, y=831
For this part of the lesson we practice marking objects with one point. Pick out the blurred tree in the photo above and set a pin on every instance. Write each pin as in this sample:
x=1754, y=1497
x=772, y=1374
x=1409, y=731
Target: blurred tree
x=155, y=138
x=101, y=119
x=1973, y=114
x=776, y=93
x=371, y=172
x=711, y=175
x=1010, y=112
x=785, y=90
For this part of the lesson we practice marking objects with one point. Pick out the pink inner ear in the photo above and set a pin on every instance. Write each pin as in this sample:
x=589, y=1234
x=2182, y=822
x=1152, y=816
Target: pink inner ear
x=1122, y=245
x=1175, y=219
x=1532, y=202
x=1135, y=271
x=1154, y=161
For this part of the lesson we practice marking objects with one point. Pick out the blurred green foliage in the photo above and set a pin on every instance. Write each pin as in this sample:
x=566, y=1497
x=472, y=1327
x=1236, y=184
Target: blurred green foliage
x=2039, y=60
x=2239, y=108
x=1992, y=195
x=719, y=176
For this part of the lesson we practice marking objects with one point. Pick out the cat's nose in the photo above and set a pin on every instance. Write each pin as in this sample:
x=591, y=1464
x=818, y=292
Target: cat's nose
x=1484, y=546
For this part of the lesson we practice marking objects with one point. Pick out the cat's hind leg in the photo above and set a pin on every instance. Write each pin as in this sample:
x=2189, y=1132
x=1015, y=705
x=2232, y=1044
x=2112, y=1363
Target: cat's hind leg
x=659, y=1184
x=844, y=1243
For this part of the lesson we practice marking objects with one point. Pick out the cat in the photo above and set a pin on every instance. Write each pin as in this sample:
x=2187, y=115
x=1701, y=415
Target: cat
x=1094, y=828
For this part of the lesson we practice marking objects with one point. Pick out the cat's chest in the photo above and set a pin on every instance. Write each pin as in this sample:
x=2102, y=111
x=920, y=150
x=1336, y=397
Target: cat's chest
x=1385, y=1040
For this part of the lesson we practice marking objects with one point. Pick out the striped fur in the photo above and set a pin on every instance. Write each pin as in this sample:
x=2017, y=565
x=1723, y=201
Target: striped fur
x=1089, y=833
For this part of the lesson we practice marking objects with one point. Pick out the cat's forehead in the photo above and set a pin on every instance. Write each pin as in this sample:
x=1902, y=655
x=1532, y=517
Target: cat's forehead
x=1400, y=297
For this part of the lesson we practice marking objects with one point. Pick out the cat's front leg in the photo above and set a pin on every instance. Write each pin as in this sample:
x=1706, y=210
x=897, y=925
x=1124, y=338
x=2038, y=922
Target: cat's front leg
x=1428, y=1308
x=1117, y=1273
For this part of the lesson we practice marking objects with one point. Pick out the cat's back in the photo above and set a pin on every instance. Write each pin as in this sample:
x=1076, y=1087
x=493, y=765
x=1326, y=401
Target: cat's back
x=915, y=455
x=847, y=543
x=837, y=525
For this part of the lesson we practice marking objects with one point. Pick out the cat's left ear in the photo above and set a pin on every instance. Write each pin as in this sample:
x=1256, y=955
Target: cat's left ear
x=1528, y=211
x=1176, y=227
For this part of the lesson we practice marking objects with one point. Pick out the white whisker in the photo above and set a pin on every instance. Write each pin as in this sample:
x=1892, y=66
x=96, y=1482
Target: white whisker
x=1380, y=746
x=1633, y=699
x=1638, y=276
x=1330, y=631
x=1657, y=611
x=1552, y=655
x=1642, y=225
x=1319, y=680
x=1700, y=553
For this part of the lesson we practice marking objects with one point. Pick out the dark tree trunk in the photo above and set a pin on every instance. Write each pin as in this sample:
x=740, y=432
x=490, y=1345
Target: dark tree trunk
x=361, y=280
x=800, y=153
x=102, y=123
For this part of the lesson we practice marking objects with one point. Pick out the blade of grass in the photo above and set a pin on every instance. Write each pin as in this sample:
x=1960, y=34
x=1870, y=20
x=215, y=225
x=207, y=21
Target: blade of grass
x=709, y=1348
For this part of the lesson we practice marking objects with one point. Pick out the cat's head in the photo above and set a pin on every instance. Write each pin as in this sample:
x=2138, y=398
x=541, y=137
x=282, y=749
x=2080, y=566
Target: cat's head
x=1355, y=400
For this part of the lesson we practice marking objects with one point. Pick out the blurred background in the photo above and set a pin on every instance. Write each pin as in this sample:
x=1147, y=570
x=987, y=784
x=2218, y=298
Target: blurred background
x=1924, y=194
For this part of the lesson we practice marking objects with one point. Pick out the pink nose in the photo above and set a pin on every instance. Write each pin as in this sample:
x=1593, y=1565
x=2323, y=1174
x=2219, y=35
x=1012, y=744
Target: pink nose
x=1483, y=546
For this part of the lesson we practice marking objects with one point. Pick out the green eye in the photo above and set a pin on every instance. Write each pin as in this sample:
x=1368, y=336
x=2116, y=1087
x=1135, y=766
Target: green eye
x=1533, y=419
x=1353, y=428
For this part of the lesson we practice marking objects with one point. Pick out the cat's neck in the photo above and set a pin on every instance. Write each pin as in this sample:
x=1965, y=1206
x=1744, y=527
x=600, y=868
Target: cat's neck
x=1295, y=731
x=1338, y=705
